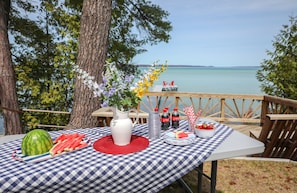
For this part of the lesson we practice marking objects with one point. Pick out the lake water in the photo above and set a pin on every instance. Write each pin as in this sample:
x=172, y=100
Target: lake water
x=1, y=125
x=232, y=80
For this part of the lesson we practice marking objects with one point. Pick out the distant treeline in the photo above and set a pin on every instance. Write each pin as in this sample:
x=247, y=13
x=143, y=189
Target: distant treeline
x=148, y=65
x=199, y=66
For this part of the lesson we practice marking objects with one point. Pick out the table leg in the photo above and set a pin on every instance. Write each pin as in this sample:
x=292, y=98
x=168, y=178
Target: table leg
x=212, y=177
x=200, y=175
x=213, y=182
x=185, y=186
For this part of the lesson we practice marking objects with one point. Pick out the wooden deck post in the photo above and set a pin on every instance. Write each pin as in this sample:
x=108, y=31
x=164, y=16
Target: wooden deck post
x=222, y=116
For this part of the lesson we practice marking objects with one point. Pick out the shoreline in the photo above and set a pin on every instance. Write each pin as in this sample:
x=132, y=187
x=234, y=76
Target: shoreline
x=196, y=66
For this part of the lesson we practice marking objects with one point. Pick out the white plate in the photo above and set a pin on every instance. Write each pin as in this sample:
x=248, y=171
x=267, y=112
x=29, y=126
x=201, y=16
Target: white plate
x=169, y=137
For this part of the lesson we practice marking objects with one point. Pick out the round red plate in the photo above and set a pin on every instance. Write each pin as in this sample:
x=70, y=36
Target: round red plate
x=106, y=145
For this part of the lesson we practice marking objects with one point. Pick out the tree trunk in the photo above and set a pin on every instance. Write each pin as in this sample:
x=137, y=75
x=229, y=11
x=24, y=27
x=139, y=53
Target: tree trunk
x=8, y=97
x=93, y=44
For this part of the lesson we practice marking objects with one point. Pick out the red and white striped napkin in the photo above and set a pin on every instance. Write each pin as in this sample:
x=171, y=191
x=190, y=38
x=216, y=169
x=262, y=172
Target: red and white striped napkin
x=192, y=117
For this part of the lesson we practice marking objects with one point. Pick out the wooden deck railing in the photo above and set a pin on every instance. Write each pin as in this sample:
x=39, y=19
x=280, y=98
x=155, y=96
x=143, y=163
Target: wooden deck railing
x=219, y=107
x=47, y=125
x=224, y=108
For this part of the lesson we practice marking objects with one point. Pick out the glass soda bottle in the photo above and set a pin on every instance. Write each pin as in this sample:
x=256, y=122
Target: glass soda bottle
x=165, y=122
x=175, y=118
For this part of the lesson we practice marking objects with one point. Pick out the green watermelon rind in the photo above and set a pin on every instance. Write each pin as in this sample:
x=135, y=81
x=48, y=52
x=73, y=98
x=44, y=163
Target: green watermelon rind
x=32, y=147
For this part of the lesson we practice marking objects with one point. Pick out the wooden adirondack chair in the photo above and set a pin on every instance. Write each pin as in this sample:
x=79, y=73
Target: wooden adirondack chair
x=279, y=134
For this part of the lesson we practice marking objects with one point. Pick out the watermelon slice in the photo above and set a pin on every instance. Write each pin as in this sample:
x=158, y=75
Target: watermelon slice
x=56, y=148
x=82, y=145
x=180, y=134
x=74, y=143
x=60, y=138
x=68, y=142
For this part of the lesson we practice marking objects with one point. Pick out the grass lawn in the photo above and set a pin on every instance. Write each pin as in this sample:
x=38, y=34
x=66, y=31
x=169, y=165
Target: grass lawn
x=245, y=176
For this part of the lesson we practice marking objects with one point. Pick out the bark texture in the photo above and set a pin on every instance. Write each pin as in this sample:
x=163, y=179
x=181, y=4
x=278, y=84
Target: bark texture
x=8, y=96
x=93, y=44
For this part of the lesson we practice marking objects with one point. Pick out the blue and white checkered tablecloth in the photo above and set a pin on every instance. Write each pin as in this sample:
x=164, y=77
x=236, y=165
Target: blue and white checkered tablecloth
x=87, y=170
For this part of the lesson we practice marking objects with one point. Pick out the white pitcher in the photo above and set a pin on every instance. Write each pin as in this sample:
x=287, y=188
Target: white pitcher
x=121, y=126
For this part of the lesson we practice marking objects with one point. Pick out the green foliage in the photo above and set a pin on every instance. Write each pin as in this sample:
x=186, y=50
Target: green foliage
x=134, y=24
x=279, y=73
x=45, y=45
x=43, y=63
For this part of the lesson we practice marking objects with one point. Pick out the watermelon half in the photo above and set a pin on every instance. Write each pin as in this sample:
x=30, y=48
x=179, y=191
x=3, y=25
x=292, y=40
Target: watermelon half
x=37, y=141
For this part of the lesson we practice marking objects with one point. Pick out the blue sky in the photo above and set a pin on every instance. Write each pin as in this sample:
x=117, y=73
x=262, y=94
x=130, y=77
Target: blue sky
x=220, y=32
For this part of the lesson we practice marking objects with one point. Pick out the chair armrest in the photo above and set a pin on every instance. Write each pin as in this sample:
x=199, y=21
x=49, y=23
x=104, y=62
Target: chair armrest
x=282, y=116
